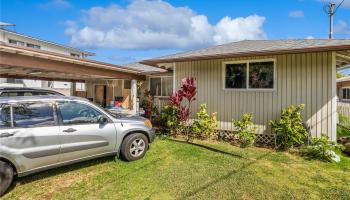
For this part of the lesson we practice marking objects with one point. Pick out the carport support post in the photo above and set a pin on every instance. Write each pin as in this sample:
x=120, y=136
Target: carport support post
x=73, y=89
x=133, y=95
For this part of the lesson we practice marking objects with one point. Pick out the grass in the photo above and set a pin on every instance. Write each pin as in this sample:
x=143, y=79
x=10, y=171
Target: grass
x=342, y=131
x=176, y=170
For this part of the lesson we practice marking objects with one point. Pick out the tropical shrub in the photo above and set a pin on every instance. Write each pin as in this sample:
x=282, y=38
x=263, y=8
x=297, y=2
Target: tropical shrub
x=169, y=118
x=188, y=91
x=289, y=130
x=343, y=120
x=322, y=149
x=245, y=130
x=205, y=124
x=177, y=114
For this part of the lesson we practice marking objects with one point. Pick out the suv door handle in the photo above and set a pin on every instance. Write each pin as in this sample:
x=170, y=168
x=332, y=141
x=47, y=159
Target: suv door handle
x=70, y=130
x=2, y=135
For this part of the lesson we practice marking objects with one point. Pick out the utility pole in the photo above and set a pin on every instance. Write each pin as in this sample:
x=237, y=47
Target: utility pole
x=331, y=9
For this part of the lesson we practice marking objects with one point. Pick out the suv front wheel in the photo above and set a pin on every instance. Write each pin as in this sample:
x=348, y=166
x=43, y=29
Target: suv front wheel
x=6, y=176
x=134, y=147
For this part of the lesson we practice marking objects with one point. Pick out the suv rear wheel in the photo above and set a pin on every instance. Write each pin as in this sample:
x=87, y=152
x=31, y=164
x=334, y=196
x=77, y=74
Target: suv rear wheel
x=6, y=176
x=134, y=147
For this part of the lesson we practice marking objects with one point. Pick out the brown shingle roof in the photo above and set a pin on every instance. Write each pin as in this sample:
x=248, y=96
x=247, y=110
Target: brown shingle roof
x=255, y=48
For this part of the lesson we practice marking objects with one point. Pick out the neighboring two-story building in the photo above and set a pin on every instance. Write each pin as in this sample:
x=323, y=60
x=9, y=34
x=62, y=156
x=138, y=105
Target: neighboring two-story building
x=31, y=62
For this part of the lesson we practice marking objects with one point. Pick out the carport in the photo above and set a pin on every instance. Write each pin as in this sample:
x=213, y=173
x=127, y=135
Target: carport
x=27, y=63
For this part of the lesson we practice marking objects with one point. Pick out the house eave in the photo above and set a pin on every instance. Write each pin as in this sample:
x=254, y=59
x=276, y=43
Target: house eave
x=155, y=62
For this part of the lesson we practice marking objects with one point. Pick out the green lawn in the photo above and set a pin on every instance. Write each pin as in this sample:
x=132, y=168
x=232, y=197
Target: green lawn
x=175, y=170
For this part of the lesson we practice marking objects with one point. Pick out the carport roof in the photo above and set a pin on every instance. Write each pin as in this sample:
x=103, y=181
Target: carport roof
x=28, y=63
x=147, y=69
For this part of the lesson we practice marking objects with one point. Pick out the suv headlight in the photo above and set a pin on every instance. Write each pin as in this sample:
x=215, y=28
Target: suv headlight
x=148, y=123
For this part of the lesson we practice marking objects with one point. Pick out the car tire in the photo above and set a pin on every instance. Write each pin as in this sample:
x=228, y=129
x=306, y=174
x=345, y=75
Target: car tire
x=6, y=176
x=134, y=147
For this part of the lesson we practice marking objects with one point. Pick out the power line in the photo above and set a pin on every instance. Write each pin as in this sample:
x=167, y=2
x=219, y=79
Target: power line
x=338, y=6
x=331, y=9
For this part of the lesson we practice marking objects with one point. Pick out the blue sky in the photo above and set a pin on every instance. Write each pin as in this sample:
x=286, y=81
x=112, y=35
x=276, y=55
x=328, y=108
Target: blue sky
x=126, y=31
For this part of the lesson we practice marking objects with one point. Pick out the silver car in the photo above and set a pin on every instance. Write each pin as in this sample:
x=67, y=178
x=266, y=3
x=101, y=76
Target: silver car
x=43, y=132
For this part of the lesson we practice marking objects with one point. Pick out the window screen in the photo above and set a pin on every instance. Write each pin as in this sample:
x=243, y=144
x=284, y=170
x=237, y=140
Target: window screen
x=346, y=93
x=236, y=75
x=167, y=86
x=155, y=86
x=261, y=74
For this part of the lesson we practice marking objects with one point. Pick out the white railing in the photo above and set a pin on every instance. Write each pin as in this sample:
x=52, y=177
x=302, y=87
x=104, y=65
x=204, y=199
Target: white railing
x=160, y=102
x=343, y=110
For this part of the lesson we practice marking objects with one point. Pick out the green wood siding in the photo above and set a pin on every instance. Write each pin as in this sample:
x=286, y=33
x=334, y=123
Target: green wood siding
x=307, y=78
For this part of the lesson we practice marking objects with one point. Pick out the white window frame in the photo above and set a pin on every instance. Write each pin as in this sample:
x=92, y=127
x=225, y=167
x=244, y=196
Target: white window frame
x=247, y=79
x=161, y=85
x=17, y=42
x=348, y=87
x=34, y=46
x=124, y=84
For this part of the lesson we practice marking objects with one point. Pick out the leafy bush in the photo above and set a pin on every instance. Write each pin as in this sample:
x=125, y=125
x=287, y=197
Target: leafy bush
x=322, y=149
x=289, y=129
x=342, y=131
x=169, y=118
x=344, y=120
x=205, y=124
x=180, y=120
x=246, y=131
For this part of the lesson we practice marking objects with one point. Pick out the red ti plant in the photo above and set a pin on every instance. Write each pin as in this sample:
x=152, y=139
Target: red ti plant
x=187, y=91
x=184, y=114
x=176, y=99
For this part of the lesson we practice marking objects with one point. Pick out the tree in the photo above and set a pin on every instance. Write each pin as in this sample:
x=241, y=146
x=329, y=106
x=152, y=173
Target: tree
x=340, y=75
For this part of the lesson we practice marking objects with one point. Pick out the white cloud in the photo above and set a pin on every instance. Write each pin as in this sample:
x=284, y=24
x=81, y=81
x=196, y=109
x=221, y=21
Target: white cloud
x=309, y=37
x=71, y=27
x=157, y=24
x=228, y=30
x=58, y=4
x=342, y=28
x=296, y=14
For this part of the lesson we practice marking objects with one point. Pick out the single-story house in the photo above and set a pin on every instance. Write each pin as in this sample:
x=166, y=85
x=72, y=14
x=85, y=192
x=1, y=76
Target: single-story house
x=262, y=77
x=343, y=89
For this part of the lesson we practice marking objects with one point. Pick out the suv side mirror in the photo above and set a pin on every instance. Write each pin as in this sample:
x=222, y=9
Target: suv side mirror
x=102, y=119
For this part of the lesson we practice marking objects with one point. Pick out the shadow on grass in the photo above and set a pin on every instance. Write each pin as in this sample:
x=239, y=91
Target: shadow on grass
x=74, y=167
x=221, y=178
x=60, y=170
x=152, y=162
x=207, y=147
